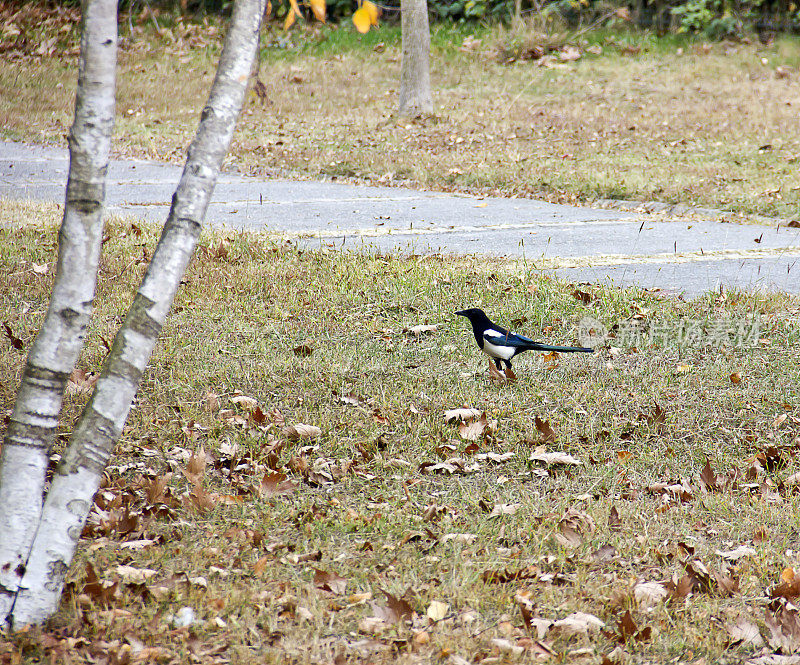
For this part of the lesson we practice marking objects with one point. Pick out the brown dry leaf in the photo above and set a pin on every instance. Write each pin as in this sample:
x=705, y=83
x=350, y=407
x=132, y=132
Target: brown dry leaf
x=709, y=478
x=245, y=401
x=196, y=467
x=329, y=582
x=626, y=628
x=418, y=331
x=551, y=359
x=463, y=415
x=784, y=628
x=212, y=401
x=789, y=587
x=303, y=350
x=737, y=553
x=545, y=431
x=604, y=554
x=614, y=521
x=649, y=594
x=658, y=417
x=274, y=483
x=474, y=430
x=202, y=500
x=496, y=376
x=736, y=378
x=745, y=633
x=398, y=606
x=131, y=575
x=301, y=431
x=260, y=89
x=583, y=296
x=578, y=623
x=81, y=381
x=554, y=459
x=437, y=610
x=504, y=509
x=100, y=592
x=573, y=527
x=16, y=342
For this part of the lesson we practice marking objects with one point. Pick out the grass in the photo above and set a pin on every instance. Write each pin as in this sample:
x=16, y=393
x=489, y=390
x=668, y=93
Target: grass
x=360, y=501
x=636, y=117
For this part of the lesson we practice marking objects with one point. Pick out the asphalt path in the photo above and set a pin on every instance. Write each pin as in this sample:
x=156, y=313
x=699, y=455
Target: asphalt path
x=685, y=255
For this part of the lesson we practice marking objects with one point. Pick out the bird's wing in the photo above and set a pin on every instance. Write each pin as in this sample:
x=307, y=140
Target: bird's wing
x=505, y=338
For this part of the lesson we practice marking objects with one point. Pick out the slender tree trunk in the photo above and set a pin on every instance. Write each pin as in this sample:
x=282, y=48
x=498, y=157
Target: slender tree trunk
x=415, y=79
x=78, y=475
x=30, y=433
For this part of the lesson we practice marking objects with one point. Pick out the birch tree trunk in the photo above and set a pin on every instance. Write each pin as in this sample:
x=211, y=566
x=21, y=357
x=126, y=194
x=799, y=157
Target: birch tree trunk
x=78, y=475
x=415, y=78
x=52, y=357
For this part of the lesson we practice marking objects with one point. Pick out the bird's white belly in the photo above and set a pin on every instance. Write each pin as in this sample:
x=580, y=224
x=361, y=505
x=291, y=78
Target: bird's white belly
x=493, y=351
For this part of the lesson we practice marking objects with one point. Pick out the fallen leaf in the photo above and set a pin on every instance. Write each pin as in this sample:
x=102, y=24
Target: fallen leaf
x=437, y=611
x=303, y=350
x=784, y=628
x=583, y=296
x=709, y=478
x=301, y=431
x=131, y=575
x=504, y=509
x=274, y=483
x=462, y=414
x=418, y=331
x=196, y=467
x=648, y=594
x=554, y=458
x=473, y=431
x=16, y=342
x=244, y=401
x=744, y=632
x=578, y=623
x=329, y=582
x=545, y=431
x=736, y=554
x=736, y=378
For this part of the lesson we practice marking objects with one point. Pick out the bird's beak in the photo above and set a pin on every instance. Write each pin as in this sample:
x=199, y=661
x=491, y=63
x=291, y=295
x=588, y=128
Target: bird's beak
x=462, y=312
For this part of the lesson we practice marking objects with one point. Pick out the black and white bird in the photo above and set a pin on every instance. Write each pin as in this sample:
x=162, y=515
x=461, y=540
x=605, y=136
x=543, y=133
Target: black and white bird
x=501, y=345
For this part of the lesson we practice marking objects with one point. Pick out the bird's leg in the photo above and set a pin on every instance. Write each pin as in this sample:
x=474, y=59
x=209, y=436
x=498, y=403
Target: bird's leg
x=507, y=362
x=498, y=365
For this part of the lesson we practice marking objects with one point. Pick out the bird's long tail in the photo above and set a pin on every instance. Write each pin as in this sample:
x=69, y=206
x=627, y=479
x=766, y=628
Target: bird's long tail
x=561, y=349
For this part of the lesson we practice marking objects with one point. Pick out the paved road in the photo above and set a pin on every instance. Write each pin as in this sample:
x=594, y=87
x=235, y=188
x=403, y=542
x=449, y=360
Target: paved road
x=583, y=244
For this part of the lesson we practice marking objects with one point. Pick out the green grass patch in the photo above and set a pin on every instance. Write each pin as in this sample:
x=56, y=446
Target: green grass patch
x=238, y=531
x=636, y=116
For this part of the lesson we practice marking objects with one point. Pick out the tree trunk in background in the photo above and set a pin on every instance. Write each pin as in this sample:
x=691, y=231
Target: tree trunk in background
x=78, y=475
x=415, y=79
x=55, y=351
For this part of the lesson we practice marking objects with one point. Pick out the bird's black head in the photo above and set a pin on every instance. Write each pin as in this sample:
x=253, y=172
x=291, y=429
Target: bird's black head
x=474, y=314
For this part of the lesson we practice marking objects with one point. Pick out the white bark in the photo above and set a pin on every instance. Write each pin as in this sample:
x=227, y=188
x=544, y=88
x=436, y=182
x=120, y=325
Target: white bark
x=78, y=475
x=415, y=79
x=26, y=446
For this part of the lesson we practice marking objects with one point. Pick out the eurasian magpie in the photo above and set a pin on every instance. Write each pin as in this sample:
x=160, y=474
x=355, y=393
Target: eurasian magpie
x=500, y=344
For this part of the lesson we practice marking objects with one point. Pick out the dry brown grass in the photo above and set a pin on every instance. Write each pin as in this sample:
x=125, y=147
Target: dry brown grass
x=647, y=119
